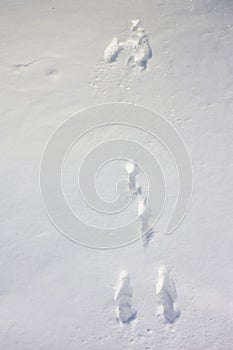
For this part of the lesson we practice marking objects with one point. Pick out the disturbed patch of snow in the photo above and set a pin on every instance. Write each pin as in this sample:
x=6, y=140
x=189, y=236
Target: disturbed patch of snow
x=166, y=293
x=132, y=170
x=137, y=45
x=112, y=51
x=141, y=51
x=143, y=212
x=123, y=296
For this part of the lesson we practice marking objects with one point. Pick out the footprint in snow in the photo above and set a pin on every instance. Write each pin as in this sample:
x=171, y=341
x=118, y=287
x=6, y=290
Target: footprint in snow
x=166, y=294
x=123, y=296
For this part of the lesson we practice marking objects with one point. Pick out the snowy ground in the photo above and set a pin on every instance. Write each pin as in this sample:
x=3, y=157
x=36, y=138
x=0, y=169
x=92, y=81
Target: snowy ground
x=55, y=294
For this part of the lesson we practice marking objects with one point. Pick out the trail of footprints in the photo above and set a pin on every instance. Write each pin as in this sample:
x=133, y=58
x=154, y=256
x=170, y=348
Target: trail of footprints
x=138, y=52
x=165, y=290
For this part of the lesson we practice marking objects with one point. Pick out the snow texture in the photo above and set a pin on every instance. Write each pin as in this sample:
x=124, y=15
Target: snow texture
x=141, y=51
x=133, y=170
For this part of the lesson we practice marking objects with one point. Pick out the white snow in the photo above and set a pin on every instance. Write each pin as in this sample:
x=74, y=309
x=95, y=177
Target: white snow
x=123, y=296
x=141, y=51
x=166, y=293
x=133, y=170
x=55, y=294
x=112, y=51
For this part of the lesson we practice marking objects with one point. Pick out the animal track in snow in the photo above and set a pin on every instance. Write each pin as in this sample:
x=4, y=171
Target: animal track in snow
x=133, y=170
x=112, y=51
x=123, y=296
x=144, y=212
x=137, y=45
x=134, y=51
x=166, y=294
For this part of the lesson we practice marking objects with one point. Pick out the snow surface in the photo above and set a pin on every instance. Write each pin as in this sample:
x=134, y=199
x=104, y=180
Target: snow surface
x=55, y=294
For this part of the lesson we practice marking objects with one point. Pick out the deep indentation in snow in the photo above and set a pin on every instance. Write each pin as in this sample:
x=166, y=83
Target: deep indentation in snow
x=141, y=51
x=123, y=296
x=133, y=170
x=144, y=212
x=122, y=60
x=112, y=51
x=166, y=293
x=137, y=45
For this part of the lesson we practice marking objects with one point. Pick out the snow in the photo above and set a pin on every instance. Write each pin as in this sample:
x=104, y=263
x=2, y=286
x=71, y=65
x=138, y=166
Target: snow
x=55, y=294
x=112, y=51
x=166, y=292
x=123, y=295
x=137, y=45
